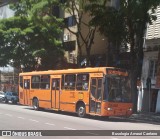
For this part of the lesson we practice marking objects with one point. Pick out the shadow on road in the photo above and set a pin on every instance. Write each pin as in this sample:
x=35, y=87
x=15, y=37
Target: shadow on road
x=110, y=119
x=133, y=119
x=10, y=103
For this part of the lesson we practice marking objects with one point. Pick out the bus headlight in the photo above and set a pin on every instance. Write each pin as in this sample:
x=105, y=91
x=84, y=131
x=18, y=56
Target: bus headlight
x=130, y=109
x=109, y=109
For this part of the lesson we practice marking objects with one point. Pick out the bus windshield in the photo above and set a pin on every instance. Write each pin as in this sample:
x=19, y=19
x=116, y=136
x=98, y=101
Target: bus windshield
x=118, y=89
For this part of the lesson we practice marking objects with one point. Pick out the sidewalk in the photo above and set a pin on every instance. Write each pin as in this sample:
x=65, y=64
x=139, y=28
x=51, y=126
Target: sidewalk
x=149, y=117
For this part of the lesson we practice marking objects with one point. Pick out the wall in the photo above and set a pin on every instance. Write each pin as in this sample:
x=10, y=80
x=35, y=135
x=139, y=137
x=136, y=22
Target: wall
x=5, y=12
x=151, y=55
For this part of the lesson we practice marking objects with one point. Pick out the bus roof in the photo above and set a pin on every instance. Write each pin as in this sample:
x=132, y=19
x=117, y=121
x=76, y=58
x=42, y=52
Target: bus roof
x=81, y=70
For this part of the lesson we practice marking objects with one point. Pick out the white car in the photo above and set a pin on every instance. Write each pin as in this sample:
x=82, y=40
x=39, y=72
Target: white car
x=2, y=96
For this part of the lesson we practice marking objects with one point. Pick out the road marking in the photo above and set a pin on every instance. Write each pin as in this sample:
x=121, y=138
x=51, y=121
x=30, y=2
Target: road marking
x=34, y=120
x=21, y=117
x=50, y=124
x=91, y=133
x=9, y=115
x=69, y=128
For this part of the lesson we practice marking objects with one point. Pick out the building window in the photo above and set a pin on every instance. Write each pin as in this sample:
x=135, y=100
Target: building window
x=56, y=11
x=152, y=68
x=70, y=21
x=69, y=45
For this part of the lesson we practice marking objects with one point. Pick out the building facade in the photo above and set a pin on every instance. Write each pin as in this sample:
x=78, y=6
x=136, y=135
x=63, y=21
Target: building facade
x=149, y=92
x=70, y=39
x=99, y=48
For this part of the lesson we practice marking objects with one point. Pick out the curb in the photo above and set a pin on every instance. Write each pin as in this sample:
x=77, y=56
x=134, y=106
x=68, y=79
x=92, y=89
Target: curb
x=146, y=117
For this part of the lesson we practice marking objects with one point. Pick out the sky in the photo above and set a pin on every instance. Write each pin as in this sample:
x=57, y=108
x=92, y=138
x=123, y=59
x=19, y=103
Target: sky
x=5, y=12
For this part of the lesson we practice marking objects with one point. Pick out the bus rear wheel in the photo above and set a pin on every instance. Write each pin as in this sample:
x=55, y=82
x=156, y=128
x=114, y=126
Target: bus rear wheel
x=81, y=111
x=35, y=104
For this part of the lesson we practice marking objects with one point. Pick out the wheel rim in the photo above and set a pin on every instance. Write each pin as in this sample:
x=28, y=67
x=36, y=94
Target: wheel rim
x=35, y=104
x=81, y=111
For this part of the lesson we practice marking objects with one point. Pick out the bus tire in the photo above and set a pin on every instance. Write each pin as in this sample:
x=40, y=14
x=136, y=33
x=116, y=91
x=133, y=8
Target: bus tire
x=35, y=104
x=81, y=110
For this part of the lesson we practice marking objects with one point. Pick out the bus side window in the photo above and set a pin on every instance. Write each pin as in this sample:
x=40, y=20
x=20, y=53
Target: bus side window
x=93, y=88
x=45, y=82
x=26, y=84
x=35, y=82
x=99, y=89
x=55, y=84
x=69, y=83
x=82, y=82
x=21, y=81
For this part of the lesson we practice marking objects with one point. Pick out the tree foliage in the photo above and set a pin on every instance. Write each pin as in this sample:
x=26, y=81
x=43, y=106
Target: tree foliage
x=32, y=37
x=126, y=24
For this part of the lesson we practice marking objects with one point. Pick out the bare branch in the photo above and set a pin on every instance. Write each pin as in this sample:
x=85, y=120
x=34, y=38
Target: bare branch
x=75, y=33
x=76, y=8
x=69, y=11
x=85, y=24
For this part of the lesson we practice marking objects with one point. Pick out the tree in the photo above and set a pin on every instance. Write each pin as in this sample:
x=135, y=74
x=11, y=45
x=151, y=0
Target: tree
x=77, y=9
x=111, y=25
x=133, y=16
x=14, y=48
x=32, y=37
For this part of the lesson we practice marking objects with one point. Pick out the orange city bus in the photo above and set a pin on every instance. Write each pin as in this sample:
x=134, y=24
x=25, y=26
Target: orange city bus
x=102, y=91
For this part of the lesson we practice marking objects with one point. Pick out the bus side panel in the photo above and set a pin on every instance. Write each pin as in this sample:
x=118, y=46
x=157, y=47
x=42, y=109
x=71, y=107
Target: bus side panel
x=83, y=96
x=116, y=109
x=67, y=100
x=43, y=96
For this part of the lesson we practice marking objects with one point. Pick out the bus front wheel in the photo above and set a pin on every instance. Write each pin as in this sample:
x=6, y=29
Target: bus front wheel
x=81, y=111
x=35, y=104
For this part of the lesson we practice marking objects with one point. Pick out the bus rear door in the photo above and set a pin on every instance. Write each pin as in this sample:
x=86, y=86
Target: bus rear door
x=55, y=92
x=96, y=93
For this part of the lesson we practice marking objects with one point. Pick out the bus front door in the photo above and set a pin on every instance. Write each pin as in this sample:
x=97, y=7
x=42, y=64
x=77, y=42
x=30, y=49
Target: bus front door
x=95, y=95
x=55, y=95
x=26, y=91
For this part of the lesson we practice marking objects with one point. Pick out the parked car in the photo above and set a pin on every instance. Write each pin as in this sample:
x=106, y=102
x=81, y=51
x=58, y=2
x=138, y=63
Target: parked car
x=11, y=96
x=2, y=96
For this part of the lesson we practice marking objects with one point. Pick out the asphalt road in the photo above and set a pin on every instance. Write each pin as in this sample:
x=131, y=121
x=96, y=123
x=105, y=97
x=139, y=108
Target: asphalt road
x=18, y=117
